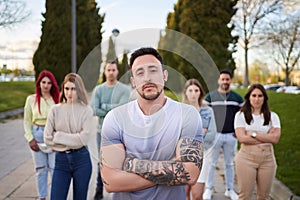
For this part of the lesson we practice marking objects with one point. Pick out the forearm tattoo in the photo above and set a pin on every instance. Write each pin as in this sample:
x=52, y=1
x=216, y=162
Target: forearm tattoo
x=163, y=172
x=127, y=166
x=170, y=172
x=192, y=151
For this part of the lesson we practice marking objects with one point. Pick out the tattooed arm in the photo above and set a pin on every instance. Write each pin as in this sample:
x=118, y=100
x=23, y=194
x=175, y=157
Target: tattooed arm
x=182, y=170
x=113, y=177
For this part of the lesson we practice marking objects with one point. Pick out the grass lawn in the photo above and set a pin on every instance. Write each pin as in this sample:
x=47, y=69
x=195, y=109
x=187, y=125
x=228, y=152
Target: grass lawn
x=13, y=94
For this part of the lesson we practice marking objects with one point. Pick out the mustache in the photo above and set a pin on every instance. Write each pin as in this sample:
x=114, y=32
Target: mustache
x=149, y=84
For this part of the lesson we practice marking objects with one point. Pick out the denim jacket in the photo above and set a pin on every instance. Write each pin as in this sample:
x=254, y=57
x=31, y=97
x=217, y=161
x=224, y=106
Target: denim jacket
x=208, y=121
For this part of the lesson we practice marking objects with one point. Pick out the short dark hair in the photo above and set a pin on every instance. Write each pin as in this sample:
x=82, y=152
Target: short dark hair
x=111, y=62
x=145, y=51
x=226, y=71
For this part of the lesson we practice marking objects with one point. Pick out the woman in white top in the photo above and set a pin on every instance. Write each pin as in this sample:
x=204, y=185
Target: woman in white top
x=193, y=94
x=257, y=129
x=67, y=131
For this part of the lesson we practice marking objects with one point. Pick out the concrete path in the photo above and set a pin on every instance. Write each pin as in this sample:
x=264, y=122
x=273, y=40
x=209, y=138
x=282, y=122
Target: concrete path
x=17, y=176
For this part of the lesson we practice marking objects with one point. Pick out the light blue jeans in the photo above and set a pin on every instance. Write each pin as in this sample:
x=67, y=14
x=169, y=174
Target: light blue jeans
x=228, y=144
x=43, y=163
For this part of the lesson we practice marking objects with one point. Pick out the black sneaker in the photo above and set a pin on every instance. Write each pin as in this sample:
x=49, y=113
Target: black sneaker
x=99, y=194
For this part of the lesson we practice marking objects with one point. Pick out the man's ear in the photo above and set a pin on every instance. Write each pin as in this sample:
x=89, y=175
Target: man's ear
x=165, y=75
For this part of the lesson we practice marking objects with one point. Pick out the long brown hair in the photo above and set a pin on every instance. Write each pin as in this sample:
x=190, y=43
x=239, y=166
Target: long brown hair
x=247, y=108
x=79, y=85
x=197, y=83
x=54, y=91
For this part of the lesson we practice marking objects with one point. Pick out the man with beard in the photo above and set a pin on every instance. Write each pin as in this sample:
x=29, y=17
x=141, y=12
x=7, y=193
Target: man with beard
x=153, y=146
x=107, y=96
x=225, y=104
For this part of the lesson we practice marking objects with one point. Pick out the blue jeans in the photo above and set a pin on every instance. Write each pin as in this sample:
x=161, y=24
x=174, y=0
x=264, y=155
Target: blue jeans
x=43, y=163
x=99, y=179
x=228, y=143
x=76, y=165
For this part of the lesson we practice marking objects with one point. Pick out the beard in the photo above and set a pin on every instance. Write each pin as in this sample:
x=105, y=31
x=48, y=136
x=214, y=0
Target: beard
x=225, y=86
x=151, y=96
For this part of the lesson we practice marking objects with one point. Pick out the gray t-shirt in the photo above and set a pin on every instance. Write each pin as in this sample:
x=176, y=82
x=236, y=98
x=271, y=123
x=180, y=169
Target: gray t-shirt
x=153, y=137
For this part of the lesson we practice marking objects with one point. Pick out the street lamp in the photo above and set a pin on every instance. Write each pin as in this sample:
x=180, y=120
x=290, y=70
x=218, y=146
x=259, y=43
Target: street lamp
x=115, y=32
x=73, y=61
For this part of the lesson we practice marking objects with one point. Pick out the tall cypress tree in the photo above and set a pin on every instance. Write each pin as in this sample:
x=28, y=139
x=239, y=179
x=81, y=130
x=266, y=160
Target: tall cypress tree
x=111, y=54
x=123, y=68
x=207, y=22
x=54, y=50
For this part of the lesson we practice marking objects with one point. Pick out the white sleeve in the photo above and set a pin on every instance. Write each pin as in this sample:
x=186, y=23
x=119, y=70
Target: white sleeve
x=110, y=133
x=275, y=122
x=239, y=120
x=192, y=124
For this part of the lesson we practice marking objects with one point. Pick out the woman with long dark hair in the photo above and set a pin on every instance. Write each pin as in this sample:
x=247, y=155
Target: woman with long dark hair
x=257, y=129
x=35, y=114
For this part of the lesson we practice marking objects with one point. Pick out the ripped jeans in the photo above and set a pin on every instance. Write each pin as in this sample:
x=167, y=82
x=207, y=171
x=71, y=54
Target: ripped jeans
x=43, y=163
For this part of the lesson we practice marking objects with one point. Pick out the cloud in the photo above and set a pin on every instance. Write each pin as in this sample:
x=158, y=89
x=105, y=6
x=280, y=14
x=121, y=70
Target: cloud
x=104, y=9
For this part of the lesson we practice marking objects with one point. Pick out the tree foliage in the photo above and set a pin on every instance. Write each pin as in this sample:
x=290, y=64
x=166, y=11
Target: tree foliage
x=209, y=24
x=123, y=67
x=111, y=54
x=12, y=12
x=258, y=73
x=54, y=50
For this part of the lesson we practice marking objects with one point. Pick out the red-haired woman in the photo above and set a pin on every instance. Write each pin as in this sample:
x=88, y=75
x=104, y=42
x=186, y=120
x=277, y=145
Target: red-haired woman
x=35, y=114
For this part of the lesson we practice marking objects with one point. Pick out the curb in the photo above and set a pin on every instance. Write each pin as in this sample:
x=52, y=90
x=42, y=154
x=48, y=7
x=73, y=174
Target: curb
x=11, y=113
x=282, y=192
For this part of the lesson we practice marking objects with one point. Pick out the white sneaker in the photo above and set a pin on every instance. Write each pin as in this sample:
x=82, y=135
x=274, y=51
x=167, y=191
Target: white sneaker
x=231, y=194
x=207, y=194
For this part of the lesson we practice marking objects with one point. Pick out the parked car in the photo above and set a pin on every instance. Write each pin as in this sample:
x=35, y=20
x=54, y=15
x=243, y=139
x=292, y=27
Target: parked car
x=272, y=87
x=289, y=89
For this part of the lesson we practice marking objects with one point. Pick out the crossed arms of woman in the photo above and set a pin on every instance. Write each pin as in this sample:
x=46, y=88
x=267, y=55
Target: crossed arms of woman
x=127, y=174
x=272, y=136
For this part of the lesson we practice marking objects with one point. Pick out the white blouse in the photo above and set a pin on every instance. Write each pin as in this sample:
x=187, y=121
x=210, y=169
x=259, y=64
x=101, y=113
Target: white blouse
x=256, y=124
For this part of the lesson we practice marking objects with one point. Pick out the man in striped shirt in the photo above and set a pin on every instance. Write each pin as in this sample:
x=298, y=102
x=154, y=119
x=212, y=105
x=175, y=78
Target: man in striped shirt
x=225, y=104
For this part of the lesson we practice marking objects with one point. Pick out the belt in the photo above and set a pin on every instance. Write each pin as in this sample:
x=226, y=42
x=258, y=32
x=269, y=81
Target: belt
x=72, y=150
x=39, y=125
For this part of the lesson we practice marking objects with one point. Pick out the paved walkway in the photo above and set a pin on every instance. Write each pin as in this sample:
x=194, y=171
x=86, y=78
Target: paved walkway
x=17, y=177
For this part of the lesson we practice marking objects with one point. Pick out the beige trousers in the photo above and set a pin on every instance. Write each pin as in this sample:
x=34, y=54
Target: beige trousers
x=255, y=164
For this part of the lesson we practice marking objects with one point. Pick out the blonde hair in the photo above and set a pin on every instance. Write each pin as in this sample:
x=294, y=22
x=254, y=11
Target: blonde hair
x=79, y=85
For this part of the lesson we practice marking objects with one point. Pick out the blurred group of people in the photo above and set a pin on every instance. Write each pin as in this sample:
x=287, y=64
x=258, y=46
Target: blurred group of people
x=151, y=147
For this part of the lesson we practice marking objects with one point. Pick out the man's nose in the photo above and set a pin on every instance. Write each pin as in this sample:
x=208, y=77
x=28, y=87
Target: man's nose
x=147, y=76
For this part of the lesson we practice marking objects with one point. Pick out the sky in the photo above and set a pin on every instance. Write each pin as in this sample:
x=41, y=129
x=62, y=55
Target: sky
x=18, y=43
x=139, y=21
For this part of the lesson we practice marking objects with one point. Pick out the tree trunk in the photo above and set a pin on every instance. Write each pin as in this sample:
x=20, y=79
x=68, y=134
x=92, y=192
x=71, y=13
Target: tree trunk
x=246, y=77
x=287, y=80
